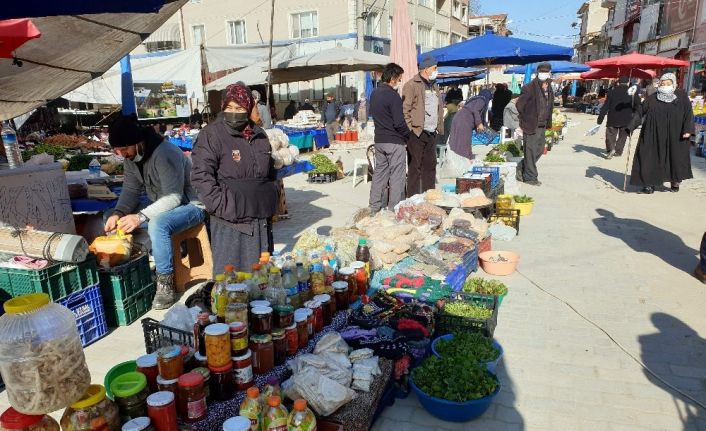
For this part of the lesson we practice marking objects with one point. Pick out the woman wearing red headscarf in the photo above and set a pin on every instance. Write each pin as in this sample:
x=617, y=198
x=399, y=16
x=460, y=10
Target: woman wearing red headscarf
x=234, y=176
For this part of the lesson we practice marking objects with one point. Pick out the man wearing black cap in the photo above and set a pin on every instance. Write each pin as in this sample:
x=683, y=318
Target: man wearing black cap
x=535, y=106
x=619, y=107
x=424, y=115
x=162, y=171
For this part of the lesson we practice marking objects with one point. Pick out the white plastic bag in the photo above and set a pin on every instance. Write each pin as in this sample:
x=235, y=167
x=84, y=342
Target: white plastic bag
x=324, y=395
x=331, y=342
x=179, y=317
x=359, y=354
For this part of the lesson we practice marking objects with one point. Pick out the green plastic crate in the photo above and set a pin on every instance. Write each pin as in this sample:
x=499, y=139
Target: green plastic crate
x=125, y=312
x=57, y=280
x=122, y=282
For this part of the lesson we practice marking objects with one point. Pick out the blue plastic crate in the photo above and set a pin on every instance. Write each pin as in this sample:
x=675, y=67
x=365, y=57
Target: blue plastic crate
x=494, y=172
x=469, y=264
x=321, y=138
x=87, y=306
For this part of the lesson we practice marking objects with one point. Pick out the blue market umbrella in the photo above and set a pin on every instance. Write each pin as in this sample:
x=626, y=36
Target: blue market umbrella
x=40, y=8
x=557, y=67
x=444, y=82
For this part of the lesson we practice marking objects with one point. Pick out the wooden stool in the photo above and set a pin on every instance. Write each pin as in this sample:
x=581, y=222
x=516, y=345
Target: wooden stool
x=197, y=265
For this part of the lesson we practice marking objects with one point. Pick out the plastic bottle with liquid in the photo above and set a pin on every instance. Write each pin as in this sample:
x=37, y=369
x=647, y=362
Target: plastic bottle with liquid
x=272, y=388
x=276, y=415
x=251, y=408
x=219, y=298
x=362, y=254
x=276, y=259
x=288, y=263
x=275, y=292
x=12, y=148
x=318, y=282
x=231, y=277
x=259, y=281
x=94, y=168
x=199, y=332
x=301, y=258
x=291, y=286
x=303, y=282
x=301, y=417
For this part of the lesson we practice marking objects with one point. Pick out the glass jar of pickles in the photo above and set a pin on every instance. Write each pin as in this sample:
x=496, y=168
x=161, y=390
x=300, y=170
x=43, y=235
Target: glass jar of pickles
x=242, y=371
x=218, y=344
x=12, y=420
x=170, y=363
x=237, y=312
x=300, y=319
x=292, y=339
x=237, y=293
x=347, y=274
x=191, y=400
x=130, y=393
x=92, y=411
x=317, y=314
x=167, y=385
x=325, y=301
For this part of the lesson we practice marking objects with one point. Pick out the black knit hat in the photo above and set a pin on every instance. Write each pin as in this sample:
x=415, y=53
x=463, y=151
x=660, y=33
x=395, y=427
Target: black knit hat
x=124, y=131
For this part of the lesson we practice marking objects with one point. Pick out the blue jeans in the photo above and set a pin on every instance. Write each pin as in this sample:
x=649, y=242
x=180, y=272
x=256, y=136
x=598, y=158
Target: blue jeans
x=161, y=228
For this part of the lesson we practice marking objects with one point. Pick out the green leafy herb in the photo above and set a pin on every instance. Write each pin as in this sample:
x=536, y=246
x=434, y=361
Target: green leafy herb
x=465, y=309
x=494, y=158
x=52, y=150
x=323, y=164
x=509, y=147
x=524, y=199
x=79, y=162
x=453, y=379
x=468, y=345
x=485, y=287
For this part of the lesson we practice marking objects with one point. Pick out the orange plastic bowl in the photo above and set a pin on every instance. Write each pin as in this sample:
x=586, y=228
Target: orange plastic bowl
x=499, y=268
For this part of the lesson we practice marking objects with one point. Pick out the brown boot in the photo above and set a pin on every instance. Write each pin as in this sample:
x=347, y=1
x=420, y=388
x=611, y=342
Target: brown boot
x=165, y=296
x=699, y=274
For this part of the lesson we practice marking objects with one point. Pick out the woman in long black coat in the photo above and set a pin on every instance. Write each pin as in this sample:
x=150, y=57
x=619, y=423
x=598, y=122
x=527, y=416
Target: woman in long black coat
x=663, y=151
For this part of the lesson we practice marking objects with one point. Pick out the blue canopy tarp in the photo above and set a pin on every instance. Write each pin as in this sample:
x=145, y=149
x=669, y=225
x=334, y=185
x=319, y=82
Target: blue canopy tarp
x=494, y=49
x=557, y=67
x=39, y=8
x=443, y=82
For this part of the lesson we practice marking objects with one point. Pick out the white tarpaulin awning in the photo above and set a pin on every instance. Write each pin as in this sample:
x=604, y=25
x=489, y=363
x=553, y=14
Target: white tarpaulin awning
x=167, y=33
x=255, y=74
x=237, y=57
x=328, y=62
x=71, y=51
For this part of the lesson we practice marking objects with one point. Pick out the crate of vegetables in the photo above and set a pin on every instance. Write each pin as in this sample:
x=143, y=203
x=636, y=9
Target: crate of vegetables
x=325, y=171
x=484, y=286
x=468, y=312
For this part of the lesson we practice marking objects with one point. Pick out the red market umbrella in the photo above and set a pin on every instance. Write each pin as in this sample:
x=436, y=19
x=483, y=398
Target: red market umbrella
x=402, y=48
x=617, y=72
x=641, y=61
x=14, y=33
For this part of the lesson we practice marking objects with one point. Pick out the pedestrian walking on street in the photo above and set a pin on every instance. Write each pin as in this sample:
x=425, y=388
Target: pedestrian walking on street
x=620, y=108
x=424, y=114
x=330, y=114
x=663, y=151
x=535, y=106
x=391, y=134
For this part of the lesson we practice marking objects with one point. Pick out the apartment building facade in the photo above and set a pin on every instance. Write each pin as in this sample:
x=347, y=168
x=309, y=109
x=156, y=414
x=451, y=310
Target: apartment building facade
x=592, y=42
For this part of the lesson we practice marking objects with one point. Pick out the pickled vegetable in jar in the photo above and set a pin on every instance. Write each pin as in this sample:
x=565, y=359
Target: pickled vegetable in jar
x=238, y=338
x=318, y=281
x=261, y=322
x=242, y=371
x=219, y=297
x=279, y=344
x=41, y=357
x=222, y=382
x=237, y=312
x=263, y=357
x=130, y=393
x=218, y=344
x=191, y=401
x=361, y=277
x=237, y=293
x=161, y=408
x=170, y=363
x=11, y=419
x=139, y=424
x=92, y=412
x=147, y=365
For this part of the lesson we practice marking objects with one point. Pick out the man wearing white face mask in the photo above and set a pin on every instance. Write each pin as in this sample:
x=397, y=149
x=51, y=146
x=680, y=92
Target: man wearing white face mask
x=535, y=106
x=424, y=114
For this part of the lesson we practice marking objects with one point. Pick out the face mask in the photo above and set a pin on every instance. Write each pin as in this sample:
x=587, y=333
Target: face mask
x=543, y=76
x=236, y=120
x=432, y=76
x=667, y=89
x=138, y=157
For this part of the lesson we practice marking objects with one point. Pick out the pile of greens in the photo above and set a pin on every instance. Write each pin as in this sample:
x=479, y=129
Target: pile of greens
x=53, y=150
x=454, y=379
x=323, y=164
x=509, y=147
x=485, y=287
x=79, y=162
x=494, y=158
x=468, y=345
x=465, y=309
x=524, y=199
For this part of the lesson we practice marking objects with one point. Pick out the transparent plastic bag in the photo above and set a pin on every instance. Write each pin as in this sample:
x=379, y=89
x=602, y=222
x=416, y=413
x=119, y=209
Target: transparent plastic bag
x=331, y=342
x=324, y=395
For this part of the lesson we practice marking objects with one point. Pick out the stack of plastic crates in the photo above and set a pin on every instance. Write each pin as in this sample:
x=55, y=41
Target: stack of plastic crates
x=128, y=290
x=494, y=172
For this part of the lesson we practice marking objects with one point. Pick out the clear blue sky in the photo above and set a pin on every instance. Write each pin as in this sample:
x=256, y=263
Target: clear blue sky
x=541, y=20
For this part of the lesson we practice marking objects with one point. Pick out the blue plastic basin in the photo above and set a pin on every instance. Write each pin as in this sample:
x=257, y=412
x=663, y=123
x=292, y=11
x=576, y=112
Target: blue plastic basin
x=491, y=365
x=452, y=411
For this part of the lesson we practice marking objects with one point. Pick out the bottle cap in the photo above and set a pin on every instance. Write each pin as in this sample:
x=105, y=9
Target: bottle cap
x=229, y=268
x=300, y=404
x=253, y=392
x=362, y=241
x=273, y=401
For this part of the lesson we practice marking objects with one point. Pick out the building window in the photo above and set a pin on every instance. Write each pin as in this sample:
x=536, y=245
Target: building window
x=442, y=39
x=425, y=3
x=372, y=24
x=304, y=25
x=424, y=35
x=458, y=10
x=236, y=32
x=198, y=33
x=456, y=38
x=167, y=45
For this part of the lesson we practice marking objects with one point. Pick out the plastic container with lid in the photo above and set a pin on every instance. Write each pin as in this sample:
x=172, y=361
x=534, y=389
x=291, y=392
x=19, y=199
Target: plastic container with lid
x=263, y=355
x=261, y=321
x=41, y=357
x=237, y=423
x=191, y=401
x=139, y=424
x=170, y=363
x=92, y=411
x=130, y=393
x=300, y=319
x=218, y=344
x=238, y=338
x=13, y=420
x=279, y=344
x=341, y=295
x=147, y=365
x=206, y=374
x=221, y=385
x=242, y=371
x=161, y=408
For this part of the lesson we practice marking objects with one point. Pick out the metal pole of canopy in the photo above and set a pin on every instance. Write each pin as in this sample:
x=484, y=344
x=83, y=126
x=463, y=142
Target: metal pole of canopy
x=269, y=65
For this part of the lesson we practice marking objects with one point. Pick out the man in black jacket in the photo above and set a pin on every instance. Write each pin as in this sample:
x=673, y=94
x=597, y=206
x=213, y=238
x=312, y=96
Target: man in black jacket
x=391, y=133
x=619, y=108
x=535, y=106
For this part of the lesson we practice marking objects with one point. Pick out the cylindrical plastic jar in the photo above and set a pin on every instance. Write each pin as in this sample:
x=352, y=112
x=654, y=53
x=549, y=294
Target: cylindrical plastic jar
x=139, y=424
x=292, y=339
x=238, y=338
x=347, y=274
x=191, y=401
x=93, y=408
x=300, y=319
x=41, y=357
x=13, y=420
x=317, y=313
x=261, y=322
x=340, y=289
x=283, y=316
x=325, y=301
x=167, y=385
x=206, y=374
x=237, y=423
x=242, y=371
x=130, y=393
x=237, y=312
x=263, y=355
x=218, y=344
x=147, y=365
x=279, y=344
x=222, y=386
x=161, y=408
x=170, y=362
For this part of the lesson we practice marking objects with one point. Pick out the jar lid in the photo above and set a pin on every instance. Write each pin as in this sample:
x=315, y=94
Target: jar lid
x=171, y=351
x=244, y=356
x=277, y=333
x=11, y=419
x=161, y=398
x=221, y=277
x=216, y=329
x=162, y=381
x=237, y=423
x=237, y=327
x=312, y=304
x=259, y=339
x=26, y=303
x=358, y=264
x=300, y=316
x=324, y=297
x=147, y=361
x=95, y=394
x=283, y=309
x=189, y=380
x=205, y=373
x=260, y=310
x=128, y=384
x=339, y=285
x=292, y=326
x=137, y=424
x=346, y=271
x=225, y=368
x=259, y=303
x=199, y=357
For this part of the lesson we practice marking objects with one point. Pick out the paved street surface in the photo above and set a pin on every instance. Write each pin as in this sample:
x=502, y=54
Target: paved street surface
x=622, y=260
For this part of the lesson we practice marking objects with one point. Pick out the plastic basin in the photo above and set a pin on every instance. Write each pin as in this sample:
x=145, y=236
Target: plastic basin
x=452, y=411
x=499, y=268
x=524, y=207
x=118, y=370
x=490, y=365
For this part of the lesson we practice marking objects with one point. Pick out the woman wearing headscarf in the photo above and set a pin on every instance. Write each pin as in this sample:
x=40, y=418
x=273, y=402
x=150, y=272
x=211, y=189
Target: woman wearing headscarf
x=234, y=176
x=469, y=118
x=501, y=98
x=662, y=153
